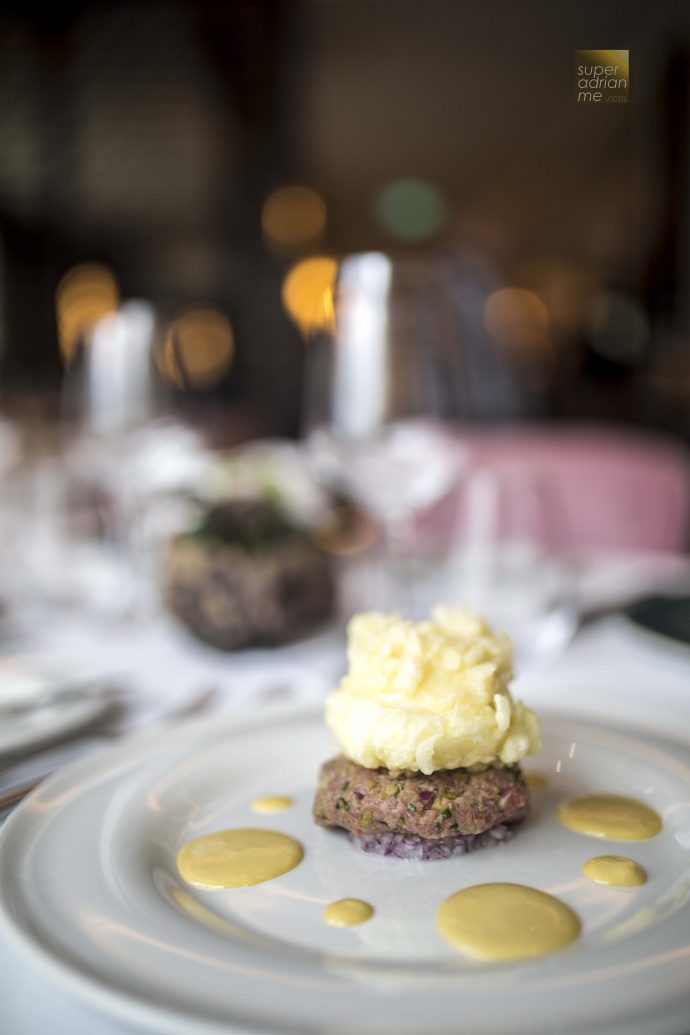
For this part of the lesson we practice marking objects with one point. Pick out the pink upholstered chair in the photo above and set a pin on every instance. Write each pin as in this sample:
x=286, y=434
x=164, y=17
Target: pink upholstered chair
x=619, y=489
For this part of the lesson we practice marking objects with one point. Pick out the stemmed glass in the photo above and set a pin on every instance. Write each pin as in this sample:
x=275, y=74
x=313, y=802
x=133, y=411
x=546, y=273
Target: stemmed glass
x=378, y=388
x=86, y=499
x=504, y=559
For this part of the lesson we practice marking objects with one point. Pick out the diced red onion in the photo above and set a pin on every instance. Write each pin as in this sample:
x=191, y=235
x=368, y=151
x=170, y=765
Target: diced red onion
x=406, y=846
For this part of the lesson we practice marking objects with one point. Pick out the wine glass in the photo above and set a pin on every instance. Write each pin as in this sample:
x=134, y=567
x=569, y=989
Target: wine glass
x=504, y=561
x=378, y=388
x=125, y=459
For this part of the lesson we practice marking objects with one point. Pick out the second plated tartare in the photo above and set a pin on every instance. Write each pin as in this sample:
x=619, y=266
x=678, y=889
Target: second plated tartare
x=431, y=738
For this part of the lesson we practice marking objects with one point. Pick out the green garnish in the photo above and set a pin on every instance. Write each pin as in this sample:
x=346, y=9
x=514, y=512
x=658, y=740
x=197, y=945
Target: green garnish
x=247, y=524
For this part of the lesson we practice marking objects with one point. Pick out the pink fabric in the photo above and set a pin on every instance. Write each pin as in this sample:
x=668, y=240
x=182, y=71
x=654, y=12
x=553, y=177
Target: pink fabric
x=618, y=489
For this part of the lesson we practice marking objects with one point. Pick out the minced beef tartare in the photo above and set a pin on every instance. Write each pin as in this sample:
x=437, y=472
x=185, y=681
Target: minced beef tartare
x=412, y=815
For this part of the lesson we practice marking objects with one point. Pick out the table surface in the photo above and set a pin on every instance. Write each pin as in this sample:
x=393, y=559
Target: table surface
x=610, y=659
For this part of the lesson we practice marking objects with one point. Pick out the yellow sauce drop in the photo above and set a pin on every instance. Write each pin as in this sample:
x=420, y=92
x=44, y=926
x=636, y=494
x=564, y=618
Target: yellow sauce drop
x=347, y=912
x=536, y=781
x=506, y=922
x=238, y=858
x=271, y=803
x=615, y=870
x=611, y=816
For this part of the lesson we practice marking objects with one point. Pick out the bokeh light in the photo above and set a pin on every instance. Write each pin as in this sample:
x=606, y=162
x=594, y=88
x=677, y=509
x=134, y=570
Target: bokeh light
x=293, y=216
x=411, y=210
x=618, y=327
x=86, y=294
x=197, y=348
x=308, y=293
x=565, y=288
x=517, y=319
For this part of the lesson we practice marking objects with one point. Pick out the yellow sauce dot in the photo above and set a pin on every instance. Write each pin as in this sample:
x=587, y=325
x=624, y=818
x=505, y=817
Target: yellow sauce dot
x=271, y=803
x=506, y=922
x=238, y=858
x=615, y=871
x=536, y=781
x=611, y=816
x=347, y=912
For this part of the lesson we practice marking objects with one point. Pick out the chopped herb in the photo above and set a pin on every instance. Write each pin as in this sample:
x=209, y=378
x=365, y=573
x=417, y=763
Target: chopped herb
x=411, y=808
x=250, y=525
x=446, y=814
x=345, y=786
x=342, y=804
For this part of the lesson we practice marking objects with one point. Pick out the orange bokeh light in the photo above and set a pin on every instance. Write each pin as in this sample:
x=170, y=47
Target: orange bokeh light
x=85, y=295
x=308, y=293
x=517, y=319
x=197, y=348
x=293, y=216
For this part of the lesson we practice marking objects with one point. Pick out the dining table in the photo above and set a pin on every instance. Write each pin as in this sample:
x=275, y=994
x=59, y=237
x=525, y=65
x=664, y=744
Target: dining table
x=611, y=667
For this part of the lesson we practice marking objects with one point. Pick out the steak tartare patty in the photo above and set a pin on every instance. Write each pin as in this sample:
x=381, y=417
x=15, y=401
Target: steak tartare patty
x=449, y=809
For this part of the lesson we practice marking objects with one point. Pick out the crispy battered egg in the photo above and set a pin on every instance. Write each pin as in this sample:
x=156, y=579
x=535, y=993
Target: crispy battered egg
x=429, y=695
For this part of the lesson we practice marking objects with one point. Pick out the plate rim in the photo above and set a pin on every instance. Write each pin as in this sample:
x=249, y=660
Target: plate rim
x=148, y=1014
x=86, y=713
x=89, y=988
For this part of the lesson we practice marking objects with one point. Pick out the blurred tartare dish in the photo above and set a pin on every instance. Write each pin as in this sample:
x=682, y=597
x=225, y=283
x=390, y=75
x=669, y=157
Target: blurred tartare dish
x=247, y=575
x=431, y=738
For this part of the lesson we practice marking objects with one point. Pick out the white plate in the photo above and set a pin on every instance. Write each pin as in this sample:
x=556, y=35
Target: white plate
x=24, y=681
x=21, y=733
x=88, y=885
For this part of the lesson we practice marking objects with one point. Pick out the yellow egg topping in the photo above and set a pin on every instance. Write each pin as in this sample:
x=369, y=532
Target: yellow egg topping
x=429, y=695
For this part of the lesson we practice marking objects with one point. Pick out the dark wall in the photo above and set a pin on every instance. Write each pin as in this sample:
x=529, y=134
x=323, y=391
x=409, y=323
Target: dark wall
x=147, y=135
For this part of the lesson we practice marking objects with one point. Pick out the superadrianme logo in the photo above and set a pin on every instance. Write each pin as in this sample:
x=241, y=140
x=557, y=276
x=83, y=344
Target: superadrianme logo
x=602, y=76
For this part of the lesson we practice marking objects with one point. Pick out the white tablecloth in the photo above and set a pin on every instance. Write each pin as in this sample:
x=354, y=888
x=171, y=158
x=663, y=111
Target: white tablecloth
x=609, y=664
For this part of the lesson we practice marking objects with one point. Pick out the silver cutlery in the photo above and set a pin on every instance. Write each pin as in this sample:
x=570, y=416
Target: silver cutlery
x=61, y=693
x=12, y=797
x=48, y=760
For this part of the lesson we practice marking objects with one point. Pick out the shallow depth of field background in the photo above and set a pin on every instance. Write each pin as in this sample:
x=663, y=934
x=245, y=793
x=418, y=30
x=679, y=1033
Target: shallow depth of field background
x=147, y=138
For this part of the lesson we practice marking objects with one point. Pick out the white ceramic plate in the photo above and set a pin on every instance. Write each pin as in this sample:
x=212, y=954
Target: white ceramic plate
x=21, y=733
x=88, y=885
x=23, y=682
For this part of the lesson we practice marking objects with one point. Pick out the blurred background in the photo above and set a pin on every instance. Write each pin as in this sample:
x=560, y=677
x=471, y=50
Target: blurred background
x=315, y=306
x=364, y=271
x=157, y=140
